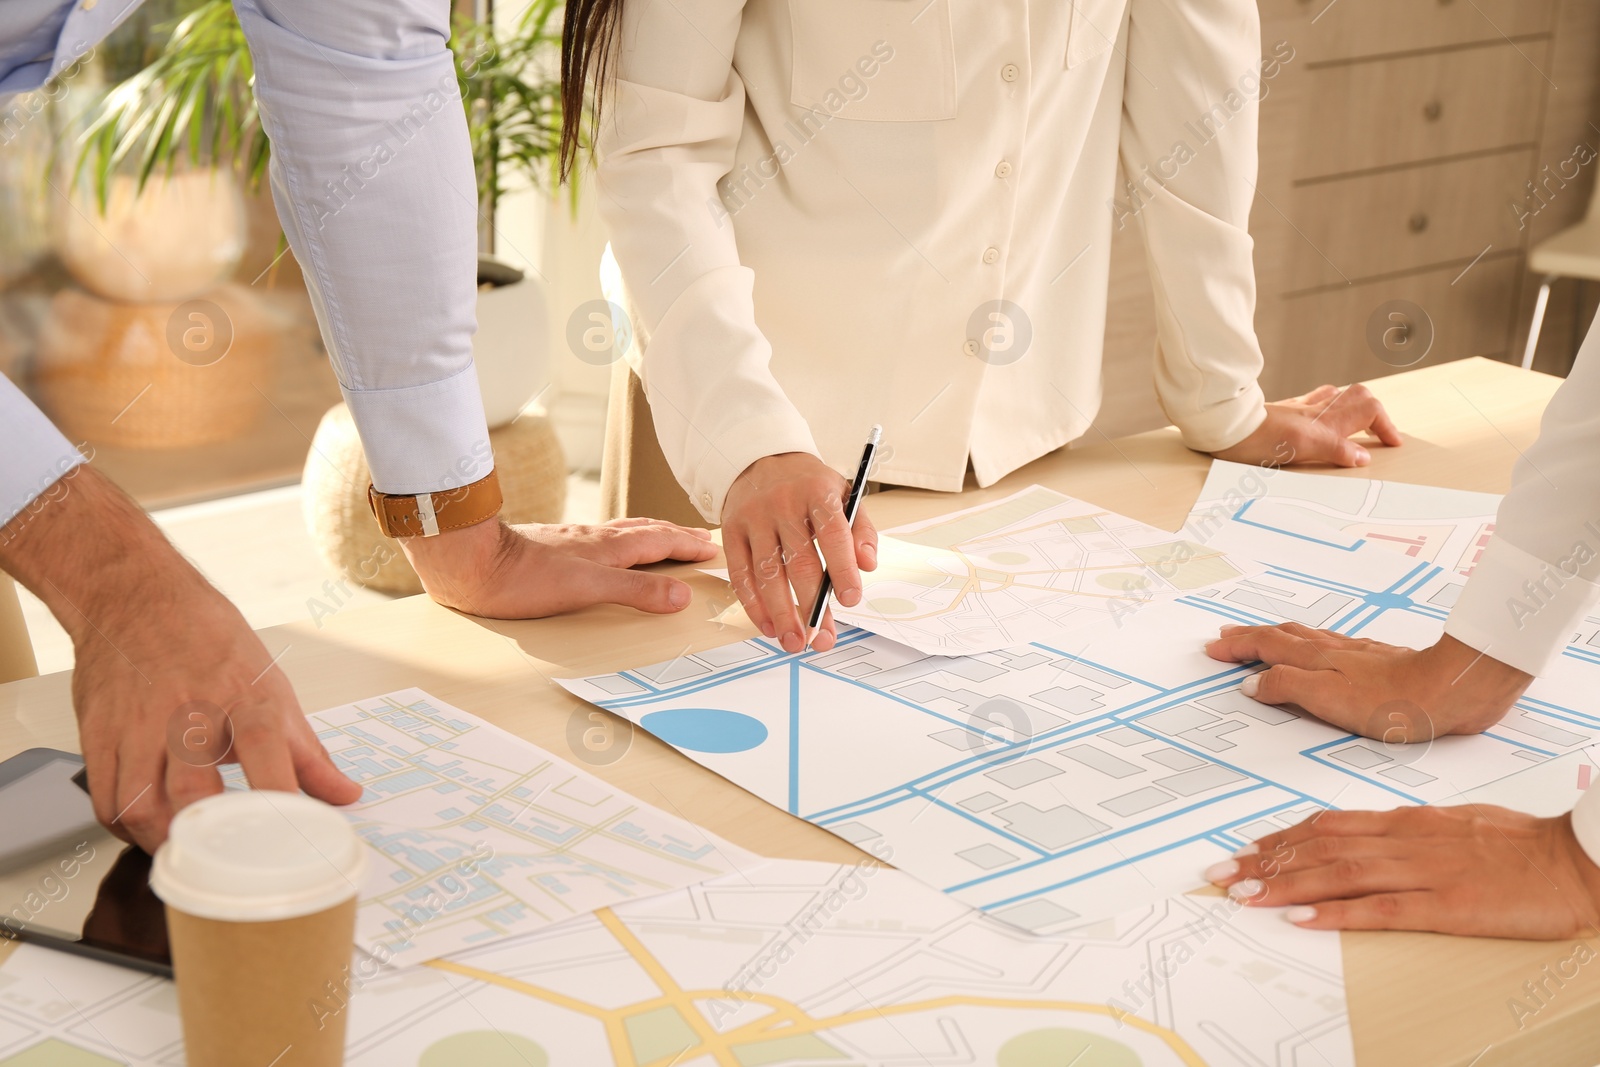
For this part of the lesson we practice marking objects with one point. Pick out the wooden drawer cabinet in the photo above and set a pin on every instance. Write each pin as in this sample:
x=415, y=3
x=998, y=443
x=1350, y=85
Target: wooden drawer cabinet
x=1470, y=318
x=1346, y=29
x=1401, y=220
x=1418, y=107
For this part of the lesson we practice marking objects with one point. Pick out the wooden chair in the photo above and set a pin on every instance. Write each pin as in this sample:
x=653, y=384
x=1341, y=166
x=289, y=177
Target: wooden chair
x=1572, y=253
x=16, y=649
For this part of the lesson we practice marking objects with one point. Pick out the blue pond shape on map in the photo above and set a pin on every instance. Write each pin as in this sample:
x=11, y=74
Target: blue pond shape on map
x=706, y=729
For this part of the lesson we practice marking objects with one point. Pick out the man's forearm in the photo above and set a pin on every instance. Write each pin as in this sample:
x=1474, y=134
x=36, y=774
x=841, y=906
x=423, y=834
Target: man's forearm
x=84, y=546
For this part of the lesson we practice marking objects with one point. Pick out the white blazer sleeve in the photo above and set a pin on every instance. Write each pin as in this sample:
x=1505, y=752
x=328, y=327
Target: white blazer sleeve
x=1536, y=580
x=669, y=132
x=1190, y=117
x=33, y=454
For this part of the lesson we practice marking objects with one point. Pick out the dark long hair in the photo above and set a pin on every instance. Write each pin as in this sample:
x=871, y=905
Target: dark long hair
x=587, y=42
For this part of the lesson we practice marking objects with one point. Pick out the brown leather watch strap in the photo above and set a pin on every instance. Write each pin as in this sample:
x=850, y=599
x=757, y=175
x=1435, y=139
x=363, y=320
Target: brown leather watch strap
x=429, y=514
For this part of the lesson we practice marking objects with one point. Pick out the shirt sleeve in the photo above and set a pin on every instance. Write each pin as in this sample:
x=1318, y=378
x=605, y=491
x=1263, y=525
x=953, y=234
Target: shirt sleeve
x=1537, y=578
x=36, y=456
x=1190, y=119
x=673, y=123
x=372, y=174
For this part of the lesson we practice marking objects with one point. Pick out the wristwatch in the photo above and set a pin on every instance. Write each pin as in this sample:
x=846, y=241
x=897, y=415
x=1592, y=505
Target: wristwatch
x=431, y=514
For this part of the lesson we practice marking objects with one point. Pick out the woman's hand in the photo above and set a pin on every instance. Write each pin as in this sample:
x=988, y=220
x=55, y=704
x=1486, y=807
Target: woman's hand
x=775, y=510
x=1475, y=870
x=1398, y=695
x=1316, y=428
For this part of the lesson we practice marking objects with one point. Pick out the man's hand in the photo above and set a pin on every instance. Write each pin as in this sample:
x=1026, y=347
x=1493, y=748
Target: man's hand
x=1316, y=428
x=527, y=572
x=170, y=680
x=775, y=510
x=1475, y=870
x=1399, y=695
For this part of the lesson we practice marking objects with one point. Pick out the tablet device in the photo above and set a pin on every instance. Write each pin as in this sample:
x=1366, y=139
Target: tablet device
x=65, y=882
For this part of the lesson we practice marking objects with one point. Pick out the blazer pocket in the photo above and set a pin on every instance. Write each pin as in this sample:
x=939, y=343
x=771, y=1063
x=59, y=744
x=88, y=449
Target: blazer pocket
x=874, y=60
x=1094, y=29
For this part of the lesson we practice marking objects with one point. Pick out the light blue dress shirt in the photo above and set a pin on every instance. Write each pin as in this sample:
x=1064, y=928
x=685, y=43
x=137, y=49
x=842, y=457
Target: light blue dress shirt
x=372, y=176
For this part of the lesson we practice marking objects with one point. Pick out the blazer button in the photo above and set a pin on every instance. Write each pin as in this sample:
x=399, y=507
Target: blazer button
x=705, y=501
x=991, y=255
x=970, y=348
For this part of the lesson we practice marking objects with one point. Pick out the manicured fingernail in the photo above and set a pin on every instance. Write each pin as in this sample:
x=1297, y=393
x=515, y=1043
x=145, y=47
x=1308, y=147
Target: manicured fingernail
x=1363, y=457
x=869, y=553
x=1300, y=913
x=1245, y=890
x=793, y=642
x=1248, y=850
x=849, y=597
x=1219, y=872
x=678, y=595
x=1250, y=685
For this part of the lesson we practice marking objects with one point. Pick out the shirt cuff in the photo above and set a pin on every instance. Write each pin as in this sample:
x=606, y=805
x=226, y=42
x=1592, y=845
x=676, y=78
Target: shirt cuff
x=1586, y=824
x=1520, y=609
x=36, y=455
x=723, y=460
x=1223, y=425
x=424, y=438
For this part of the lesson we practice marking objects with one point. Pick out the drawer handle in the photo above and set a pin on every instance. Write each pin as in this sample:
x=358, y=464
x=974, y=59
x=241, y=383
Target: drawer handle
x=1433, y=111
x=1418, y=222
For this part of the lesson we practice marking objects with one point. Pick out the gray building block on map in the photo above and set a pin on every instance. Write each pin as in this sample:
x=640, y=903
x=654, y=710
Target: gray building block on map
x=986, y=856
x=1174, y=759
x=854, y=832
x=981, y=802
x=1035, y=915
x=616, y=684
x=674, y=670
x=1022, y=773
x=728, y=655
x=964, y=740
x=1050, y=828
x=1138, y=800
x=1075, y=701
x=1234, y=701
x=1013, y=717
x=1124, y=736
x=1095, y=674
x=1315, y=614
x=1407, y=775
x=1359, y=755
x=1177, y=720
x=1543, y=729
x=1101, y=760
x=1200, y=780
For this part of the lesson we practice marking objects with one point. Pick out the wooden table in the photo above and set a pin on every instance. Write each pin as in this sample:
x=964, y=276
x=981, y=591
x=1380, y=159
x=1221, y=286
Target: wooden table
x=1416, y=1000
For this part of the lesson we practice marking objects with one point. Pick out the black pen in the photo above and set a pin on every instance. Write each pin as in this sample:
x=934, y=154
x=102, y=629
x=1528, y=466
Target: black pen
x=858, y=489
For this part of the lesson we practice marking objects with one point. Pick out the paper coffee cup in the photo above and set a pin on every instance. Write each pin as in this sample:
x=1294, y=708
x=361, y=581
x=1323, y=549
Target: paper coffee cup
x=260, y=891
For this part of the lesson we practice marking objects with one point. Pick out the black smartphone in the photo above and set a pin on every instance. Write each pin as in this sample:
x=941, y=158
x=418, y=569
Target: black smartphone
x=65, y=882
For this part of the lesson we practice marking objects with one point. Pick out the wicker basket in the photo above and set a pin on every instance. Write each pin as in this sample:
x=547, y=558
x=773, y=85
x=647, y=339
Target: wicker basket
x=527, y=456
x=167, y=375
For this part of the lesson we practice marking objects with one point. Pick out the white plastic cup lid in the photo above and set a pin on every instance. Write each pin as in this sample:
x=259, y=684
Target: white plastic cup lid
x=258, y=855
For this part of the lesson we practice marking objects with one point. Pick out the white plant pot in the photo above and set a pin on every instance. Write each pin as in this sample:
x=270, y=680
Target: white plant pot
x=180, y=237
x=510, y=348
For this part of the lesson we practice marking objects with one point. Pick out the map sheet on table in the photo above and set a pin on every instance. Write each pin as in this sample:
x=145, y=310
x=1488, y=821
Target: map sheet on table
x=1053, y=786
x=1035, y=566
x=786, y=963
x=477, y=835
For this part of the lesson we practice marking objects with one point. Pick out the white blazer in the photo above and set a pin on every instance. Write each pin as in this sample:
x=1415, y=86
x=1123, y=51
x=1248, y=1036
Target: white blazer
x=831, y=213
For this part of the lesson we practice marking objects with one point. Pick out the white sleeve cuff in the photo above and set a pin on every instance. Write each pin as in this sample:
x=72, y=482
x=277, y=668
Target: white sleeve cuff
x=1586, y=823
x=424, y=438
x=1520, y=609
x=36, y=455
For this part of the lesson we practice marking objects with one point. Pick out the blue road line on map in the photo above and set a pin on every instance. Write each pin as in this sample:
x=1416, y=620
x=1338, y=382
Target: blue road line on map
x=1578, y=716
x=1014, y=839
x=729, y=674
x=1231, y=613
x=1582, y=655
x=1016, y=749
x=1520, y=744
x=1124, y=862
x=1238, y=517
x=794, y=737
x=1091, y=663
x=1211, y=757
x=1308, y=754
x=1311, y=579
